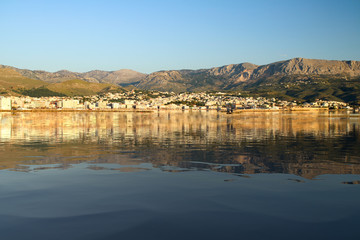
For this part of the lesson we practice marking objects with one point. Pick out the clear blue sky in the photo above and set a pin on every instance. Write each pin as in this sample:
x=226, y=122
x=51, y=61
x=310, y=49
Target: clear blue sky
x=153, y=35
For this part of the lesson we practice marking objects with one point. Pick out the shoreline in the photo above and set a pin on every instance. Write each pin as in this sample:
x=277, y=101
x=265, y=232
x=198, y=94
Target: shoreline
x=187, y=110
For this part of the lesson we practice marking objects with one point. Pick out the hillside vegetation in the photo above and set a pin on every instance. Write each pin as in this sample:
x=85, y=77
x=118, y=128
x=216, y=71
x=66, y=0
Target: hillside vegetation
x=82, y=88
x=11, y=80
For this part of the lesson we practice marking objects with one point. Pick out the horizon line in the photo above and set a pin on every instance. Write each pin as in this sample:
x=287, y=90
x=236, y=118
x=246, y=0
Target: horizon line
x=182, y=69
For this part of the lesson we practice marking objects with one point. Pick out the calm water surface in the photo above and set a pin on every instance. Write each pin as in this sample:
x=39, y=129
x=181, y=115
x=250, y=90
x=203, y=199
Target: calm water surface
x=179, y=175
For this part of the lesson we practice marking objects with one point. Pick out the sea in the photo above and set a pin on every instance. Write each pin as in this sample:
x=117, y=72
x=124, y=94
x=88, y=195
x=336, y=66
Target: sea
x=179, y=175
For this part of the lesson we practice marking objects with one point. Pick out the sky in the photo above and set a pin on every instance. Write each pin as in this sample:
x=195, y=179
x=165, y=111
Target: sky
x=154, y=35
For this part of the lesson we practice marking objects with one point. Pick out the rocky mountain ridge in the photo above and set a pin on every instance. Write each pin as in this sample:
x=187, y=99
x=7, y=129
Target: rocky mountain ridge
x=230, y=76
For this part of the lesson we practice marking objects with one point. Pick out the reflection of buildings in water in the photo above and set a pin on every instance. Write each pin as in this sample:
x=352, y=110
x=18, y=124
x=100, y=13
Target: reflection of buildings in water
x=247, y=162
x=167, y=160
x=243, y=143
x=179, y=127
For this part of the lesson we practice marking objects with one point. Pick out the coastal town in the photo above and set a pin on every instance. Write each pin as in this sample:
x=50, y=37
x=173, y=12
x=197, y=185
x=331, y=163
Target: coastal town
x=153, y=100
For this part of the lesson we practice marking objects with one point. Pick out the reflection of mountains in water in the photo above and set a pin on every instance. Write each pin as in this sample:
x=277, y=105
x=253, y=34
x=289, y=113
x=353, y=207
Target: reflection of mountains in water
x=306, y=144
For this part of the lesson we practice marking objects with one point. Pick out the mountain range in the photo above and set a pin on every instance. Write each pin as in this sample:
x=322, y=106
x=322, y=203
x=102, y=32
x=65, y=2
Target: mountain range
x=297, y=78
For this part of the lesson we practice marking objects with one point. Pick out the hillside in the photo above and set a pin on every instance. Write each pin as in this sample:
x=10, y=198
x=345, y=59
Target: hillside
x=71, y=88
x=13, y=83
x=123, y=76
x=307, y=79
x=298, y=78
x=11, y=80
x=218, y=78
x=82, y=88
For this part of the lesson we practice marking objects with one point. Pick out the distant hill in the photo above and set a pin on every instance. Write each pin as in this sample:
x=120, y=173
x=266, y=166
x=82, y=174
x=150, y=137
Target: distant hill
x=123, y=76
x=120, y=77
x=13, y=83
x=298, y=78
x=218, y=78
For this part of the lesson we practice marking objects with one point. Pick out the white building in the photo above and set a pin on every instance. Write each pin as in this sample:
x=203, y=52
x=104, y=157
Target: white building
x=5, y=103
x=70, y=104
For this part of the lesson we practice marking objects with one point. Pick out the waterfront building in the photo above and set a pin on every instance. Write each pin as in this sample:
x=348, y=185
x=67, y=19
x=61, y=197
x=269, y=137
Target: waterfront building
x=71, y=104
x=5, y=103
